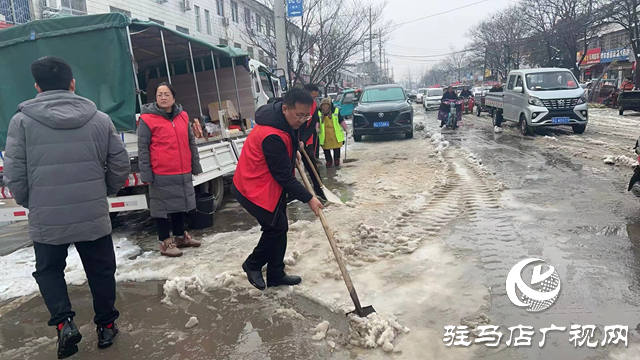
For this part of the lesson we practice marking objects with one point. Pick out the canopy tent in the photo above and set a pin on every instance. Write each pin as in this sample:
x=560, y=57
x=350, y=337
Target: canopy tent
x=98, y=49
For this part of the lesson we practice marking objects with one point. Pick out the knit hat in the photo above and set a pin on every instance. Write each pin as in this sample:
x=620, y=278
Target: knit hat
x=326, y=101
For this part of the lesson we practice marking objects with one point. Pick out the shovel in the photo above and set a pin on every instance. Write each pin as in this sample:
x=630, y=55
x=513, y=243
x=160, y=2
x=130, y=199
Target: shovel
x=346, y=141
x=330, y=196
x=360, y=311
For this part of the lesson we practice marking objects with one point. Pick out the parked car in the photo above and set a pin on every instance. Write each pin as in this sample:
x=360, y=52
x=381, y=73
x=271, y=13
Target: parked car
x=432, y=98
x=628, y=100
x=346, y=102
x=333, y=96
x=383, y=109
x=420, y=95
x=540, y=97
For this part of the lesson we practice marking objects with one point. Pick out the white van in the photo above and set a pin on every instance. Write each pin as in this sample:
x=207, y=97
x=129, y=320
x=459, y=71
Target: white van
x=431, y=99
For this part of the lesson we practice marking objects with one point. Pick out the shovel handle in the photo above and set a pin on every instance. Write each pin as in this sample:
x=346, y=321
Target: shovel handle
x=334, y=247
x=313, y=166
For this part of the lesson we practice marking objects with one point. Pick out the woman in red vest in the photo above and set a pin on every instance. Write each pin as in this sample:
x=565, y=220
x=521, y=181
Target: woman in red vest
x=265, y=173
x=167, y=157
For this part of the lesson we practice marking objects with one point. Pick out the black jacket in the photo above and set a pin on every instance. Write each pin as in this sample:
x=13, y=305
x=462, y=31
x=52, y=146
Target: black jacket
x=466, y=93
x=280, y=164
x=448, y=96
x=498, y=89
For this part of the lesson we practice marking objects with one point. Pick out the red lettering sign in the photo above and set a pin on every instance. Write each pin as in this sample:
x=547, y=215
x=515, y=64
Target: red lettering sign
x=592, y=57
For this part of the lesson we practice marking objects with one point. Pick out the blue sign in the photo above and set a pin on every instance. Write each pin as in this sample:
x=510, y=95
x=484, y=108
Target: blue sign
x=621, y=54
x=294, y=8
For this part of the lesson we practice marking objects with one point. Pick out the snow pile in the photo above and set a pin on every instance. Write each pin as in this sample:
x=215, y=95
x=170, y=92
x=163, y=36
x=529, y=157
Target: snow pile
x=193, y=321
x=182, y=288
x=419, y=127
x=292, y=259
x=472, y=158
x=375, y=330
x=440, y=143
x=289, y=314
x=497, y=129
x=620, y=160
x=321, y=331
x=16, y=268
x=551, y=138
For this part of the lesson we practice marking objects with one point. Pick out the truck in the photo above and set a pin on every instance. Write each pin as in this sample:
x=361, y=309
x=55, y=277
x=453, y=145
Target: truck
x=117, y=63
x=541, y=97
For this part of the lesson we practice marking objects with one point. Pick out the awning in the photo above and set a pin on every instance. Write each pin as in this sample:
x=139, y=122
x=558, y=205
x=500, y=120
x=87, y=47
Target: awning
x=622, y=66
x=585, y=67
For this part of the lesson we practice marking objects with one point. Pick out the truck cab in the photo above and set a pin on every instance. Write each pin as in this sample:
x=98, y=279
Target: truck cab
x=542, y=97
x=264, y=84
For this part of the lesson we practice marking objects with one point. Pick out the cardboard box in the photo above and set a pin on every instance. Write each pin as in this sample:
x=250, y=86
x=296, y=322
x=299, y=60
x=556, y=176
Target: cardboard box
x=227, y=105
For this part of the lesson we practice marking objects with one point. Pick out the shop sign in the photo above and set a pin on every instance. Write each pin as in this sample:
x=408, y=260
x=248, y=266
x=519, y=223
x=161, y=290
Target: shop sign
x=621, y=54
x=592, y=57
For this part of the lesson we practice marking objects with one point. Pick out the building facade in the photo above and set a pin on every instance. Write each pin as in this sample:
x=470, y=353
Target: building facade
x=610, y=55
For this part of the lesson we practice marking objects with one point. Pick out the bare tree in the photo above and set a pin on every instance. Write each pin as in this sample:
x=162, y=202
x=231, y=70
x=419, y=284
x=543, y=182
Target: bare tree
x=330, y=33
x=456, y=62
x=626, y=13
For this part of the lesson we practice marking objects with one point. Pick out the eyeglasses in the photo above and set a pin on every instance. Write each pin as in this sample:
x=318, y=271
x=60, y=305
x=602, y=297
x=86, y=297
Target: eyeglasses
x=304, y=117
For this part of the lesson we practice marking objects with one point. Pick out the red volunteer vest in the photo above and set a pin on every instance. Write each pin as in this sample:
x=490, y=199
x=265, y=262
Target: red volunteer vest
x=169, y=150
x=252, y=177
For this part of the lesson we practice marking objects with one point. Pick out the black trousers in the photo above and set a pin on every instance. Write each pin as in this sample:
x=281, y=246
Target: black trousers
x=336, y=154
x=311, y=152
x=271, y=247
x=177, y=225
x=99, y=261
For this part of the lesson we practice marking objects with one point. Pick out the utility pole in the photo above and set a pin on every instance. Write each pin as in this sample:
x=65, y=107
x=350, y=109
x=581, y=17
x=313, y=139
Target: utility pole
x=281, y=38
x=380, y=48
x=370, y=40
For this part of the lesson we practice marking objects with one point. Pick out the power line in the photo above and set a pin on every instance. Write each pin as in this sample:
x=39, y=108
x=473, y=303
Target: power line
x=442, y=13
x=431, y=56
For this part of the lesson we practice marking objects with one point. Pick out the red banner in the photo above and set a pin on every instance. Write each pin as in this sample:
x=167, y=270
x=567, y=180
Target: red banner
x=4, y=25
x=592, y=57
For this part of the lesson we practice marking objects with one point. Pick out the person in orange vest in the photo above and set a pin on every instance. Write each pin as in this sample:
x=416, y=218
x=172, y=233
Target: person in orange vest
x=263, y=177
x=309, y=138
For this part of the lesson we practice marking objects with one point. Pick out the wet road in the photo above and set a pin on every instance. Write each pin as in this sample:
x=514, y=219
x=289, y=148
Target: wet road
x=555, y=208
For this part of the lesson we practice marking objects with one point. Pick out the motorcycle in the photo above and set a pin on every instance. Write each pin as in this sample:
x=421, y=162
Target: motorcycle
x=452, y=115
x=467, y=104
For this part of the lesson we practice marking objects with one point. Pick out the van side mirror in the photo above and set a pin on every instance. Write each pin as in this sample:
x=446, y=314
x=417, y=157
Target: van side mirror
x=518, y=89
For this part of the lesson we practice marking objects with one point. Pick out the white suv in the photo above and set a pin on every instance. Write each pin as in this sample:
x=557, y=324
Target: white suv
x=432, y=97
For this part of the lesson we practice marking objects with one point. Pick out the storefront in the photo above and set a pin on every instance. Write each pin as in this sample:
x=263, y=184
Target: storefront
x=621, y=66
x=590, y=66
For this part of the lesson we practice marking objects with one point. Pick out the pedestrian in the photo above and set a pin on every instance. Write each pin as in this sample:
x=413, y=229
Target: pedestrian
x=332, y=131
x=63, y=158
x=168, y=157
x=309, y=138
x=264, y=174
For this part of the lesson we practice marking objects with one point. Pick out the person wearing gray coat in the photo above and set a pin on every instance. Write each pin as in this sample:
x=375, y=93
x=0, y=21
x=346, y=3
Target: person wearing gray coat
x=63, y=159
x=168, y=157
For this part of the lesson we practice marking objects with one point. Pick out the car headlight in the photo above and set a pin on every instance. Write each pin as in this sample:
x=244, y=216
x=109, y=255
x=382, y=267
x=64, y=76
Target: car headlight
x=535, y=101
x=582, y=99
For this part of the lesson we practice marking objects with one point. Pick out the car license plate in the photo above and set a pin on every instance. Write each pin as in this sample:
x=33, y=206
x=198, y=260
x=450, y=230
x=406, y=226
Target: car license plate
x=560, y=120
x=381, y=124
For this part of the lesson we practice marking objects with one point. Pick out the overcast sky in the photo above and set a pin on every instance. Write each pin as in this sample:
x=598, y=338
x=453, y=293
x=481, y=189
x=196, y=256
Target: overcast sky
x=432, y=36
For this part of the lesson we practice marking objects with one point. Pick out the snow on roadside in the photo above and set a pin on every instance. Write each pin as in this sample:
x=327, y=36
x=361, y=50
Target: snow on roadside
x=620, y=160
x=16, y=268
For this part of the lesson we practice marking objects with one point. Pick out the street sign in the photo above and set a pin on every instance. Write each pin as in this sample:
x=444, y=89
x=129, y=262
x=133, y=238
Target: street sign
x=294, y=8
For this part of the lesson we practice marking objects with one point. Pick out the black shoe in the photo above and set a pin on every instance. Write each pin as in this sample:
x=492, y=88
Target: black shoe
x=254, y=277
x=68, y=339
x=106, y=335
x=287, y=280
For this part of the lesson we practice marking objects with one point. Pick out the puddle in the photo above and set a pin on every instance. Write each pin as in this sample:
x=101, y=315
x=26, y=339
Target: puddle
x=247, y=329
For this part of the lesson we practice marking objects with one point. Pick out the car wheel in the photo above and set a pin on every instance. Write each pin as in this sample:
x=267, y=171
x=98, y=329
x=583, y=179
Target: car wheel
x=409, y=135
x=621, y=110
x=357, y=138
x=579, y=129
x=524, y=127
x=496, y=119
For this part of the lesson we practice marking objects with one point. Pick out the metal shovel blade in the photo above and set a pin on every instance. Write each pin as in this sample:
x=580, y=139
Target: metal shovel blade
x=330, y=196
x=363, y=312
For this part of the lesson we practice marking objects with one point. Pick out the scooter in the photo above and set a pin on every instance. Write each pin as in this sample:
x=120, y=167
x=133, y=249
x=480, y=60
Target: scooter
x=634, y=183
x=454, y=115
x=467, y=104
